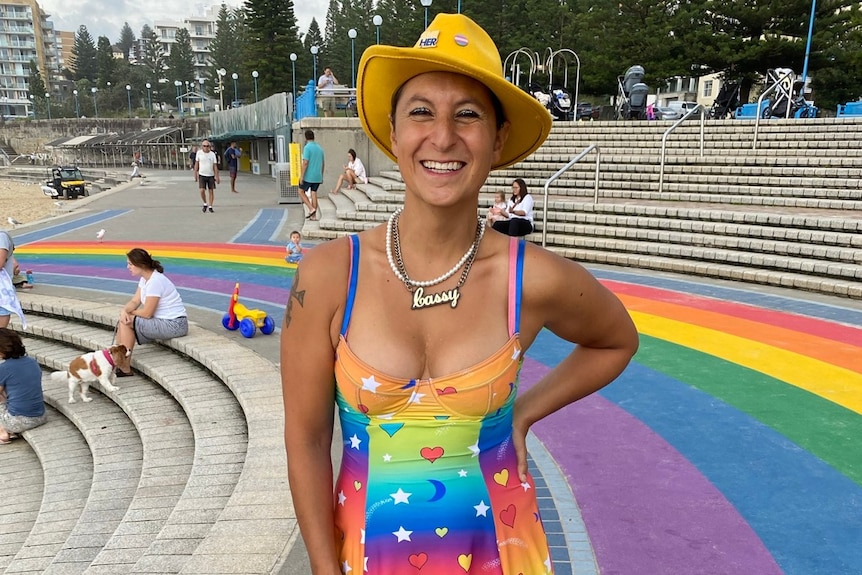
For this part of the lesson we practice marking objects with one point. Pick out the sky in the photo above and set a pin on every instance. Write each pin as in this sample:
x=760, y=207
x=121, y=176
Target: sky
x=106, y=17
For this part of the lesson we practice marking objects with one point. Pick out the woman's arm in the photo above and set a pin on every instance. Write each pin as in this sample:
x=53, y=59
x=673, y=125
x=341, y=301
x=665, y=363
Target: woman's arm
x=149, y=308
x=524, y=207
x=565, y=298
x=308, y=339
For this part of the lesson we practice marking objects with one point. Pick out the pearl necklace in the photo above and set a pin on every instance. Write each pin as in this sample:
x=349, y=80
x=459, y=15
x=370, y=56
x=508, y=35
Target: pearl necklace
x=417, y=288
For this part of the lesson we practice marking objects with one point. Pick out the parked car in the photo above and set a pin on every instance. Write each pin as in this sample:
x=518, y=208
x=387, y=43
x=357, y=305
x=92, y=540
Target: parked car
x=665, y=113
x=585, y=111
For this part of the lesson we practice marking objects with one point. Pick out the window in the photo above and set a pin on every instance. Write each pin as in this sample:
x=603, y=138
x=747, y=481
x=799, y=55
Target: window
x=199, y=30
x=707, y=88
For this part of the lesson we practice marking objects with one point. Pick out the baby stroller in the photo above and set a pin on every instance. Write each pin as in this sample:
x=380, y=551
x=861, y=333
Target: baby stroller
x=726, y=101
x=561, y=103
x=787, y=100
x=540, y=94
x=632, y=94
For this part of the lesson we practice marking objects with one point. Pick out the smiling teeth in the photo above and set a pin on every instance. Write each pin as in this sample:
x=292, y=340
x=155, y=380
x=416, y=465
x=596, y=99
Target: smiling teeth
x=441, y=166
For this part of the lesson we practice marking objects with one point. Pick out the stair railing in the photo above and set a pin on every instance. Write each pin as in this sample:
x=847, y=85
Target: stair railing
x=562, y=171
x=667, y=133
x=778, y=83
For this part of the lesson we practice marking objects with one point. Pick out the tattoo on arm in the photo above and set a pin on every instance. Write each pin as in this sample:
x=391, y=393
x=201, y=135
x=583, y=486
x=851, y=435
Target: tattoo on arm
x=295, y=294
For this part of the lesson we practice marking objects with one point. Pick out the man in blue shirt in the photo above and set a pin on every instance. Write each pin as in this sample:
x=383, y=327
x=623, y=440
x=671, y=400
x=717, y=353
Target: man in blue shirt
x=311, y=174
x=232, y=155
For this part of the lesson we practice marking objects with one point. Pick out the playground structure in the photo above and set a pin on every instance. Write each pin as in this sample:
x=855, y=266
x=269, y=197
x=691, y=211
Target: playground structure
x=247, y=321
x=558, y=98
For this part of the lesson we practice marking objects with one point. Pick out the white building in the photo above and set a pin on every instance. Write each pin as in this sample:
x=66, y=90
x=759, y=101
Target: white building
x=202, y=30
x=26, y=33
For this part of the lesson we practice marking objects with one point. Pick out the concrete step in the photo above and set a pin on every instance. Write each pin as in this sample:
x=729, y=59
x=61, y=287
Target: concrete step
x=216, y=482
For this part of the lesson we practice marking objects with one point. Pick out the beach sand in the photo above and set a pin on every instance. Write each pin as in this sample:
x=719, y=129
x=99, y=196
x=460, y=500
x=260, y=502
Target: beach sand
x=24, y=202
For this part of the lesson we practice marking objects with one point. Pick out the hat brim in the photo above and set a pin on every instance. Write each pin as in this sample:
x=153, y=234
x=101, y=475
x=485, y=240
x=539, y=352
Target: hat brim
x=384, y=69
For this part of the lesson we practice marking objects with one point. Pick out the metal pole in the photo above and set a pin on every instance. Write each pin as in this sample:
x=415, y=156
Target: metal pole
x=808, y=46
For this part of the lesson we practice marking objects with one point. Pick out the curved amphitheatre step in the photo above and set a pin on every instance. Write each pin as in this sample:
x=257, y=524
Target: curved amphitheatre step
x=233, y=514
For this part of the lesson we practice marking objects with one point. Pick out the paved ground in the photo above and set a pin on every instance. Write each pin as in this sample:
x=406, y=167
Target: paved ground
x=730, y=445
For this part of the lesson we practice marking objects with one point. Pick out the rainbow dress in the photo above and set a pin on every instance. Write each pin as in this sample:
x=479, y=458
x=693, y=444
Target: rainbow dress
x=428, y=481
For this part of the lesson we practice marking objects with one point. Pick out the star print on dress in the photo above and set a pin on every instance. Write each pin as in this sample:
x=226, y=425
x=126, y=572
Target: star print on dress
x=401, y=497
x=369, y=384
x=355, y=442
x=402, y=534
x=481, y=509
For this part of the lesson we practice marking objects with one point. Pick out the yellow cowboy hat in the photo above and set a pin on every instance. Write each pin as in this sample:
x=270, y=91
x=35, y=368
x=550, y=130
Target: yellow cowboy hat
x=452, y=43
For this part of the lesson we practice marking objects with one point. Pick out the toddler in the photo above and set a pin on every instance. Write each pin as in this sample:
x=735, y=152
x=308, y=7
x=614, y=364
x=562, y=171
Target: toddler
x=294, y=249
x=497, y=211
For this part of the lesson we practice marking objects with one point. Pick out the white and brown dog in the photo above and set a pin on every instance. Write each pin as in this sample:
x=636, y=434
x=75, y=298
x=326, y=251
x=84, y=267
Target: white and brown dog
x=94, y=366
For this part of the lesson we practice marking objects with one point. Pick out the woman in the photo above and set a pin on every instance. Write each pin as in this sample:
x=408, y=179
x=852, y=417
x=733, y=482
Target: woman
x=22, y=405
x=434, y=472
x=519, y=212
x=156, y=311
x=354, y=172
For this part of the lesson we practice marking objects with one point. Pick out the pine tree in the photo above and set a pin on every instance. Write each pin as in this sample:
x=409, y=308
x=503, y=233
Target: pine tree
x=153, y=56
x=127, y=40
x=272, y=36
x=180, y=61
x=83, y=61
x=105, y=63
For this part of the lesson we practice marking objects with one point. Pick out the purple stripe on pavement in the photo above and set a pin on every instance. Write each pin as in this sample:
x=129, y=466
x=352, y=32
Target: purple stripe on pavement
x=258, y=292
x=646, y=508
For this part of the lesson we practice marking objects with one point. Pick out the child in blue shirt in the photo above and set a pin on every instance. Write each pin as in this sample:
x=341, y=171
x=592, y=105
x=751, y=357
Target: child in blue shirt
x=294, y=249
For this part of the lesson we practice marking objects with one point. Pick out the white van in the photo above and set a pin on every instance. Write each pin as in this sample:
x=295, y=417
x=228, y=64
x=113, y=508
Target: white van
x=682, y=106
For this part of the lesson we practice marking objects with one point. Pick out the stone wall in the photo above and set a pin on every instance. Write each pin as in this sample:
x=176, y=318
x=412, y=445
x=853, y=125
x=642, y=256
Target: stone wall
x=30, y=136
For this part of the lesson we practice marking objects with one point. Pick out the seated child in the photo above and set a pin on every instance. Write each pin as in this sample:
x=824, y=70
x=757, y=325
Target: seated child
x=294, y=249
x=497, y=212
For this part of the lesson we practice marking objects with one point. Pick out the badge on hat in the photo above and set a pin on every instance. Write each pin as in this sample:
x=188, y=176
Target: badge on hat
x=461, y=40
x=428, y=39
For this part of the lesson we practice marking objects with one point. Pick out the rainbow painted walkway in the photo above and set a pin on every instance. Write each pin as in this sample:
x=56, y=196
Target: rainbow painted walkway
x=731, y=445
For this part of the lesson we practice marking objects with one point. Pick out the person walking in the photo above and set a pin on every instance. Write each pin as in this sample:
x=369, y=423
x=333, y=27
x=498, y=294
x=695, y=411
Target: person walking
x=231, y=156
x=311, y=174
x=206, y=175
x=326, y=88
x=9, y=303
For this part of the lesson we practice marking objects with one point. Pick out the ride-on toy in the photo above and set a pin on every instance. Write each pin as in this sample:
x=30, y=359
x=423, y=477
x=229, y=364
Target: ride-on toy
x=246, y=320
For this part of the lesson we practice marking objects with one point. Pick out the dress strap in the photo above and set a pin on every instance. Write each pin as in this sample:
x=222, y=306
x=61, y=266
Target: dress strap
x=516, y=277
x=351, y=285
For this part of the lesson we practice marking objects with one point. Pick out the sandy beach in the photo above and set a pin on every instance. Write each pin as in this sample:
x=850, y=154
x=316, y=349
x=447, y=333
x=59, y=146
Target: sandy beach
x=24, y=202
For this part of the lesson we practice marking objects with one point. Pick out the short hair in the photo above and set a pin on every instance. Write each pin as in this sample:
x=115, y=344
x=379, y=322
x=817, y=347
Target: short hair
x=11, y=346
x=309, y=135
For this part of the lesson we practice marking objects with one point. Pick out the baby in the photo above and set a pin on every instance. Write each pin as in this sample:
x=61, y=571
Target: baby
x=495, y=212
x=294, y=249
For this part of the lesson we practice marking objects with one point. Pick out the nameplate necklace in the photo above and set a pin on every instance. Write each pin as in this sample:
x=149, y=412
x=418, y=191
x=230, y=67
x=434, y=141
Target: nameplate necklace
x=421, y=298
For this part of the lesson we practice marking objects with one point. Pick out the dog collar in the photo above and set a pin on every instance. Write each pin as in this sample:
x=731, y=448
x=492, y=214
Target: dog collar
x=107, y=355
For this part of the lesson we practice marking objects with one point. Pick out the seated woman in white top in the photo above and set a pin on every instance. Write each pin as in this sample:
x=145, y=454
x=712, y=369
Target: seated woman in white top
x=156, y=311
x=354, y=172
x=519, y=212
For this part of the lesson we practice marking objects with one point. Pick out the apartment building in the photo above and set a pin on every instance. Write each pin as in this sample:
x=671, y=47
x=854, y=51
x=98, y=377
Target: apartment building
x=26, y=33
x=201, y=29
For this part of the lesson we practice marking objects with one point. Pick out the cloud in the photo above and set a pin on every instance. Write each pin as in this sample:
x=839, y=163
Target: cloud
x=106, y=17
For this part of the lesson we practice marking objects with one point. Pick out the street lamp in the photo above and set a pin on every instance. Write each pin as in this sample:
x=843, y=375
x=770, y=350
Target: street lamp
x=95, y=105
x=314, y=50
x=149, y=99
x=77, y=109
x=48, y=100
x=235, y=76
x=378, y=20
x=352, y=35
x=33, y=103
x=129, y=98
x=427, y=4
x=221, y=74
x=203, y=101
x=255, y=75
x=177, y=83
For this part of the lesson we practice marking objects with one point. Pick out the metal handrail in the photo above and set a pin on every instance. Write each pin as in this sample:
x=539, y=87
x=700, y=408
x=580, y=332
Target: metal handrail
x=777, y=83
x=667, y=132
x=559, y=173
